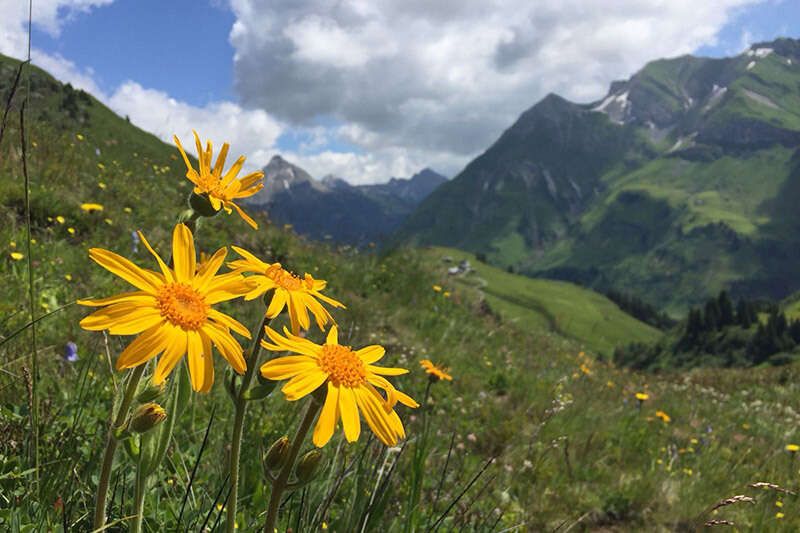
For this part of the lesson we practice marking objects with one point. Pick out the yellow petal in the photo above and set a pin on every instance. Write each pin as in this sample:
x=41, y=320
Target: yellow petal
x=303, y=384
x=370, y=354
x=391, y=392
x=277, y=303
x=333, y=336
x=201, y=366
x=176, y=348
x=299, y=305
x=405, y=399
x=348, y=410
x=163, y=266
x=229, y=322
x=144, y=347
x=386, y=371
x=375, y=415
x=139, y=297
x=183, y=253
x=138, y=277
x=287, y=366
x=212, y=266
x=328, y=417
x=223, y=153
x=230, y=350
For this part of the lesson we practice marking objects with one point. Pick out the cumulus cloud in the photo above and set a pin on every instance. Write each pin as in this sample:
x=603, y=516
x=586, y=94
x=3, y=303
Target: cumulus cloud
x=250, y=132
x=416, y=78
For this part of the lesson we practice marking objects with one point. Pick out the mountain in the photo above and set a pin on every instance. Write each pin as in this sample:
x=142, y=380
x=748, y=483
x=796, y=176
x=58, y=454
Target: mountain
x=333, y=209
x=680, y=182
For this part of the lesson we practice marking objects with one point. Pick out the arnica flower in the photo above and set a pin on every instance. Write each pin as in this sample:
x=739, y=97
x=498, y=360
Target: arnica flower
x=664, y=417
x=220, y=189
x=171, y=312
x=16, y=256
x=91, y=208
x=436, y=372
x=792, y=448
x=642, y=396
x=299, y=295
x=351, y=380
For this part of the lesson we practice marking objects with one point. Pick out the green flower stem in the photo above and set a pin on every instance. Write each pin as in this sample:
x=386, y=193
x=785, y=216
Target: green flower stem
x=240, y=405
x=141, y=490
x=111, y=446
x=281, y=483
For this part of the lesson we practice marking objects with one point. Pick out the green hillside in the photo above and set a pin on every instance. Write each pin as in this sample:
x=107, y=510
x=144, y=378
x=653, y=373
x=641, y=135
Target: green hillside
x=565, y=443
x=558, y=307
x=680, y=183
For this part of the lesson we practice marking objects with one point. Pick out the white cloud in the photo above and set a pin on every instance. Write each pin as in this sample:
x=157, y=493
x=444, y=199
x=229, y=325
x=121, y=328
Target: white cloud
x=411, y=79
x=49, y=16
x=250, y=132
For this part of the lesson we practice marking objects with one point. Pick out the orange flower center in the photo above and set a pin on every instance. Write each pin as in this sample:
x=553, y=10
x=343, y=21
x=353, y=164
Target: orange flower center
x=285, y=279
x=342, y=365
x=182, y=305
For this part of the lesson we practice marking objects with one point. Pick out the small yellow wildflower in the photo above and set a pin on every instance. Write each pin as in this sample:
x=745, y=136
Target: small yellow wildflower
x=437, y=288
x=585, y=369
x=610, y=384
x=13, y=244
x=220, y=189
x=664, y=417
x=299, y=295
x=792, y=448
x=446, y=294
x=79, y=136
x=16, y=256
x=101, y=184
x=108, y=221
x=71, y=231
x=778, y=503
x=127, y=209
x=101, y=166
x=68, y=277
x=779, y=515
x=436, y=372
x=351, y=380
x=642, y=396
x=89, y=207
x=60, y=219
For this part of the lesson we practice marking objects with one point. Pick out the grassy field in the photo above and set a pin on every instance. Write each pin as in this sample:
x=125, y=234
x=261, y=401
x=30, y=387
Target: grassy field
x=564, y=442
x=584, y=316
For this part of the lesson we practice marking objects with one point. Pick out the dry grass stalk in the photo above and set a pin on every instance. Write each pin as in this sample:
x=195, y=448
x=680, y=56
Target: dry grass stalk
x=771, y=486
x=717, y=522
x=740, y=498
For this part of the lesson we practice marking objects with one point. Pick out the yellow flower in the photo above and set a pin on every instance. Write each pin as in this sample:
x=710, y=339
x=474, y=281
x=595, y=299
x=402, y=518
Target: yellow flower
x=79, y=136
x=221, y=190
x=436, y=372
x=437, y=288
x=16, y=256
x=642, y=396
x=60, y=219
x=91, y=208
x=127, y=209
x=108, y=221
x=779, y=515
x=792, y=448
x=299, y=295
x=171, y=312
x=664, y=416
x=71, y=231
x=68, y=277
x=101, y=184
x=351, y=379
x=585, y=369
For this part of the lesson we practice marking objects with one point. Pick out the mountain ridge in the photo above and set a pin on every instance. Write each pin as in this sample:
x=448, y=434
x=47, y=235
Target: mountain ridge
x=663, y=187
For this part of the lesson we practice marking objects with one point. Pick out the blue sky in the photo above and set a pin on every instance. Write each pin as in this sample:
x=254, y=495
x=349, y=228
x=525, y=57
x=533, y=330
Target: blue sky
x=367, y=90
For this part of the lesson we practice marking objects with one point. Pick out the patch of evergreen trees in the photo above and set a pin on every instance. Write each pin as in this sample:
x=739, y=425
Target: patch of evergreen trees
x=720, y=334
x=640, y=309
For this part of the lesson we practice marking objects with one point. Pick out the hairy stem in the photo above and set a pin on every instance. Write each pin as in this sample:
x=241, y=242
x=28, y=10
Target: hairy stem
x=280, y=484
x=111, y=446
x=240, y=405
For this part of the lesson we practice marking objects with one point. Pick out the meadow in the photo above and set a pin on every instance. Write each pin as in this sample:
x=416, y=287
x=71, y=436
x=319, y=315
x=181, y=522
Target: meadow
x=535, y=432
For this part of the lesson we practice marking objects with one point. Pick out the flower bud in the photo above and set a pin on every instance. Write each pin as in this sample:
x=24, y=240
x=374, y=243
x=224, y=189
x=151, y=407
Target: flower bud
x=307, y=466
x=202, y=204
x=147, y=416
x=151, y=392
x=277, y=454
